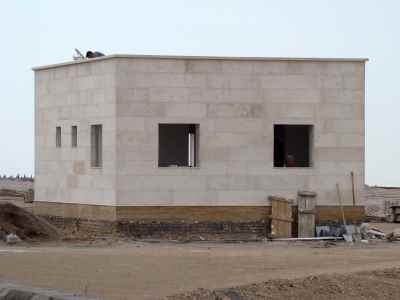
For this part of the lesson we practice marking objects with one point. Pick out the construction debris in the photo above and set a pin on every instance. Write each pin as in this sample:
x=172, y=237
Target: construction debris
x=394, y=235
x=18, y=221
x=368, y=233
x=12, y=239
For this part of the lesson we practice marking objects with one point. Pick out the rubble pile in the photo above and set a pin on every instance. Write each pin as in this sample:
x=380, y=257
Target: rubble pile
x=394, y=235
x=16, y=223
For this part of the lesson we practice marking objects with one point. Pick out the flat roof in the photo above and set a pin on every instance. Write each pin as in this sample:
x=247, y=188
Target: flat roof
x=237, y=58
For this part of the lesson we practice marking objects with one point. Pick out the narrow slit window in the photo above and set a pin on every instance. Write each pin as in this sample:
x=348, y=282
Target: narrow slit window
x=96, y=145
x=292, y=146
x=74, y=136
x=178, y=145
x=58, y=137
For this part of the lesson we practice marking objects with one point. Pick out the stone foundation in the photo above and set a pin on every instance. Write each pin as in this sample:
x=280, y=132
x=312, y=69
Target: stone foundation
x=196, y=231
x=181, y=221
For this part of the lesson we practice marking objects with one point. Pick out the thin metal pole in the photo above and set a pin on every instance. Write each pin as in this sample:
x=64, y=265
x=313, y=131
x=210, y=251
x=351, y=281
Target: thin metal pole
x=340, y=203
x=352, y=188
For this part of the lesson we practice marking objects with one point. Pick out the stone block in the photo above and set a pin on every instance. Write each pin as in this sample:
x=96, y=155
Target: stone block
x=146, y=154
x=140, y=109
x=129, y=168
x=187, y=110
x=105, y=67
x=190, y=198
x=168, y=94
x=290, y=81
x=231, y=182
x=332, y=82
x=291, y=95
x=344, y=126
x=355, y=154
x=144, y=198
x=353, y=82
x=130, y=124
x=195, y=80
x=339, y=111
x=233, y=110
x=232, y=198
x=351, y=140
x=142, y=65
x=326, y=140
x=134, y=139
x=144, y=80
x=281, y=182
x=342, y=96
x=163, y=183
x=84, y=70
x=230, y=81
x=203, y=66
x=132, y=94
x=243, y=125
x=241, y=67
x=291, y=111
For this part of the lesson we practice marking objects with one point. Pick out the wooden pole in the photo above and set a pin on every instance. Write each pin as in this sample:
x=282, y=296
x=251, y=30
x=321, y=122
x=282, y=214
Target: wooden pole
x=340, y=203
x=352, y=188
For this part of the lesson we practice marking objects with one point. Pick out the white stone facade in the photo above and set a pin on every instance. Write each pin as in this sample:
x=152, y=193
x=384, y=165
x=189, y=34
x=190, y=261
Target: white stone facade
x=236, y=102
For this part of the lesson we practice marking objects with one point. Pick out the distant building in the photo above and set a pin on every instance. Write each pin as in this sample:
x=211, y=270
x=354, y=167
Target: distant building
x=197, y=138
x=379, y=199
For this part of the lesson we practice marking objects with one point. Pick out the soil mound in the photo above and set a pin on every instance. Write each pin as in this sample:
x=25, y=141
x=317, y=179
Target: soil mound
x=14, y=219
x=380, y=284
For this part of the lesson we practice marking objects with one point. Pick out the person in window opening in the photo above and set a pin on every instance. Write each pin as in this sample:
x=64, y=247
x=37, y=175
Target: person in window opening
x=290, y=161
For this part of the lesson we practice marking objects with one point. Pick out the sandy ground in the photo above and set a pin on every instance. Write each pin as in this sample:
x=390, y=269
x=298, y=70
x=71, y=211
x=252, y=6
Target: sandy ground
x=133, y=270
x=368, y=285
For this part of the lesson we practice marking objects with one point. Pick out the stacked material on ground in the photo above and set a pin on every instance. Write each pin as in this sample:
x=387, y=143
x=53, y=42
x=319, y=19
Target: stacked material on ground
x=16, y=220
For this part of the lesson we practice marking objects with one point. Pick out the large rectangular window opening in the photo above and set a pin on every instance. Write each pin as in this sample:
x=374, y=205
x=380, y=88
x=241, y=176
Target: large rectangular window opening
x=74, y=136
x=178, y=145
x=96, y=145
x=58, y=137
x=292, y=146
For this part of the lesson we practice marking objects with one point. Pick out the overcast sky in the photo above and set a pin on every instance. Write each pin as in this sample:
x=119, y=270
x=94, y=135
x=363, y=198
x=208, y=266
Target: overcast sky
x=42, y=32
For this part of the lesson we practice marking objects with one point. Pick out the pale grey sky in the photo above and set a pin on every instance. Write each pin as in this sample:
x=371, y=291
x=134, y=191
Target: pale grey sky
x=42, y=32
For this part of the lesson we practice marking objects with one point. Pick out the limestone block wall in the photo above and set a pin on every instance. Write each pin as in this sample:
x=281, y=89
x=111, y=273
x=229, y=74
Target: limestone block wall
x=82, y=95
x=236, y=103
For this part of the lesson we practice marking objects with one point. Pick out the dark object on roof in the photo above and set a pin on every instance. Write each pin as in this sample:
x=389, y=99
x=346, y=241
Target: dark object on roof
x=93, y=54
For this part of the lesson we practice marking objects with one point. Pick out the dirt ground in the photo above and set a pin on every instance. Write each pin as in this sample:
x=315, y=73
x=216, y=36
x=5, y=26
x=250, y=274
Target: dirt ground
x=134, y=270
x=114, y=267
x=382, y=285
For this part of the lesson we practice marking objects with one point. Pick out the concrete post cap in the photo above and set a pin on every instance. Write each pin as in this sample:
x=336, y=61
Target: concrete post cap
x=307, y=194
